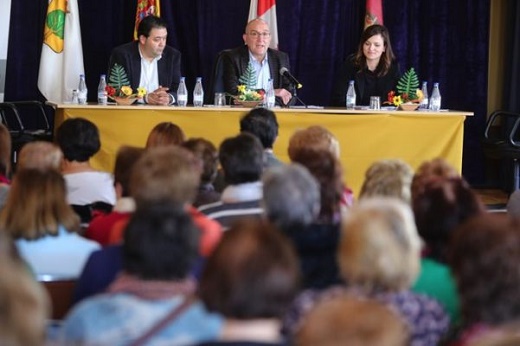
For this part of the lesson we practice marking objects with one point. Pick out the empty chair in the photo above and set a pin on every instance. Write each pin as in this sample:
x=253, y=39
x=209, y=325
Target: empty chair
x=217, y=77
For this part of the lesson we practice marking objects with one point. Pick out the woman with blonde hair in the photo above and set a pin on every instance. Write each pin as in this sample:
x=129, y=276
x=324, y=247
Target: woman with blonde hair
x=37, y=216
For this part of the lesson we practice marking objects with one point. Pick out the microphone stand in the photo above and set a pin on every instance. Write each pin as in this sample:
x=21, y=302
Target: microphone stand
x=295, y=96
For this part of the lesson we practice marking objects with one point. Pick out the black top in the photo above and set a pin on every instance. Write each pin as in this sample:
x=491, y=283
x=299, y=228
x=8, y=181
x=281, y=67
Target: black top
x=366, y=83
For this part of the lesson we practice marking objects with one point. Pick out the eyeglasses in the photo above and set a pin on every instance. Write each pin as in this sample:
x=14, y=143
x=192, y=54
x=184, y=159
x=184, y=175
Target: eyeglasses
x=255, y=34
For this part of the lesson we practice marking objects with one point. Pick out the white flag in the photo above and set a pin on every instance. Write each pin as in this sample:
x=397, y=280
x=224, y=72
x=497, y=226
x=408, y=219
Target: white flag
x=266, y=10
x=61, y=61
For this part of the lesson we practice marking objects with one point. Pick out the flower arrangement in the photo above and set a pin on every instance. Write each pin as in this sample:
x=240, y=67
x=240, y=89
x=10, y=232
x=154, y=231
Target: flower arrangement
x=246, y=89
x=408, y=90
x=118, y=85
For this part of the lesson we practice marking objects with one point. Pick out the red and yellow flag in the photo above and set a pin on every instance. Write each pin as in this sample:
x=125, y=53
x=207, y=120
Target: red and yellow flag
x=374, y=14
x=266, y=9
x=146, y=8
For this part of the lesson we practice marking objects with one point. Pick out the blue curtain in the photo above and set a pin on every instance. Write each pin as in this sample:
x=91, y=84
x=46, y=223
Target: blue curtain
x=445, y=41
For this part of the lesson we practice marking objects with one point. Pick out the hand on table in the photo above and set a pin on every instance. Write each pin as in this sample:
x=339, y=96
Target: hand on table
x=159, y=96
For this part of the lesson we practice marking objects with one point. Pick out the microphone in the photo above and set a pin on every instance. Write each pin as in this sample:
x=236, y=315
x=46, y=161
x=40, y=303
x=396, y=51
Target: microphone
x=285, y=72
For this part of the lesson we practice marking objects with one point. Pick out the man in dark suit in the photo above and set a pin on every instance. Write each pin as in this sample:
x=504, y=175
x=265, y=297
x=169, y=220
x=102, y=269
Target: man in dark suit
x=150, y=63
x=267, y=62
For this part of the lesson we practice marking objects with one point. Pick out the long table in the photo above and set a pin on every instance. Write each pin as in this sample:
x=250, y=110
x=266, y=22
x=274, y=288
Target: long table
x=364, y=136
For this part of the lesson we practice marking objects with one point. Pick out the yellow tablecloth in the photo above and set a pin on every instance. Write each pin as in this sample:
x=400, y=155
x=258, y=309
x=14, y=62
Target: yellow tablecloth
x=364, y=136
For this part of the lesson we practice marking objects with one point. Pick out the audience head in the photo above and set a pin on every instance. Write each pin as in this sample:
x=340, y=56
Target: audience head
x=291, y=196
x=354, y=322
x=436, y=168
x=256, y=31
x=165, y=133
x=313, y=137
x=391, y=178
x=327, y=171
x=378, y=36
x=484, y=257
x=24, y=304
x=379, y=247
x=261, y=123
x=167, y=173
x=160, y=242
x=207, y=153
x=5, y=151
x=78, y=139
x=241, y=158
x=37, y=205
x=126, y=158
x=442, y=205
x=40, y=155
x=253, y=273
x=148, y=23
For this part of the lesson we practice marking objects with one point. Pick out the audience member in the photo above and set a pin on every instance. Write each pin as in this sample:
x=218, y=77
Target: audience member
x=484, y=257
x=391, y=178
x=160, y=248
x=354, y=322
x=241, y=161
x=437, y=167
x=250, y=279
x=373, y=68
x=266, y=62
x=207, y=153
x=165, y=133
x=291, y=199
x=379, y=257
x=101, y=225
x=78, y=139
x=24, y=303
x=441, y=205
x=150, y=63
x=318, y=138
x=5, y=163
x=44, y=226
x=261, y=123
x=40, y=155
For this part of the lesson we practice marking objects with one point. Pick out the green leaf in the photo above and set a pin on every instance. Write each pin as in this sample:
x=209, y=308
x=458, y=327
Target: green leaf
x=118, y=77
x=249, y=77
x=408, y=84
x=56, y=22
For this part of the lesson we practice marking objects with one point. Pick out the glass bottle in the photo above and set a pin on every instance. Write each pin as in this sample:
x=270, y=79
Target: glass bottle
x=82, y=90
x=198, y=93
x=435, y=99
x=102, y=90
x=351, y=95
x=182, y=93
x=424, y=102
x=269, y=95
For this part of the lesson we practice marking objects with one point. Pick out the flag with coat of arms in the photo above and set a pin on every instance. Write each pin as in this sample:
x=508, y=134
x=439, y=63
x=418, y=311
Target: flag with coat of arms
x=61, y=60
x=374, y=12
x=146, y=8
x=266, y=10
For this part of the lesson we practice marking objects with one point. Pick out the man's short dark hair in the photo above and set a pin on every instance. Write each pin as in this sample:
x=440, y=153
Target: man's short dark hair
x=160, y=242
x=241, y=158
x=262, y=123
x=78, y=139
x=148, y=23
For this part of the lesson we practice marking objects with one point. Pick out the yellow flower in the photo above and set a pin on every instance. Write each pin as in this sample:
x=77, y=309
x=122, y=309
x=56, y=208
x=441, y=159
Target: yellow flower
x=241, y=89
x=419, y=94
x=141, y=92
x=126, y=90
x=397, y=100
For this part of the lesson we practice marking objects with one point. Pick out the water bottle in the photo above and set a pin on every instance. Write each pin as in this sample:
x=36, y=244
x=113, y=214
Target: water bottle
x=102, y=90
x=435, y=99
x=82, y=90
x=351, y=95
x=424, y=102
x=198, y=93
x=182, y=94
x=269, y=95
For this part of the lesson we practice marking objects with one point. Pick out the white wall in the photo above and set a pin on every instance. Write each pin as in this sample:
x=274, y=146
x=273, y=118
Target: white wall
x=5, y=15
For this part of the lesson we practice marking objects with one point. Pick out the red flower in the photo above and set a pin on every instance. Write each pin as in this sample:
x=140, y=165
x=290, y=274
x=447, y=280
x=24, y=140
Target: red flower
x=111, y=91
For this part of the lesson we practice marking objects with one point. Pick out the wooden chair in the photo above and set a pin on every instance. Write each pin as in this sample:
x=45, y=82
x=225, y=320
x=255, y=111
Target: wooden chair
x=61, y=291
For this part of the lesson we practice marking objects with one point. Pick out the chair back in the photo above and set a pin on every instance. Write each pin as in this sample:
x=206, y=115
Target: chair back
x=217, y=76
x=60, y=290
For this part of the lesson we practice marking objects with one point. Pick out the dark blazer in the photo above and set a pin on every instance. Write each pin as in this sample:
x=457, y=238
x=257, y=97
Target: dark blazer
x=168, y=67
x=235, y=63
x=349, y=72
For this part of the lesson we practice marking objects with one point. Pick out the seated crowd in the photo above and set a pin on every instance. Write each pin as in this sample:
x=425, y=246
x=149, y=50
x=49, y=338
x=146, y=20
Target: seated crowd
x=199, y=245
